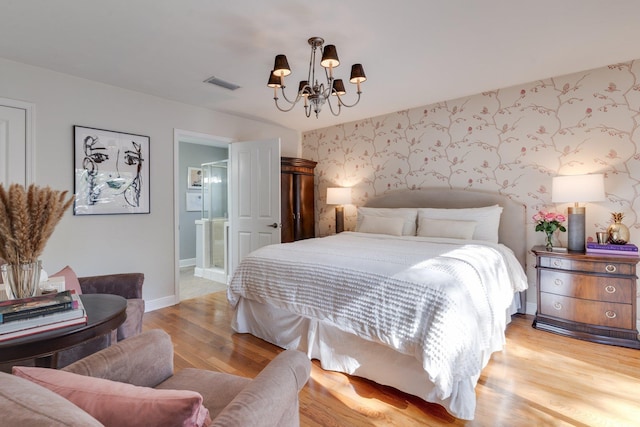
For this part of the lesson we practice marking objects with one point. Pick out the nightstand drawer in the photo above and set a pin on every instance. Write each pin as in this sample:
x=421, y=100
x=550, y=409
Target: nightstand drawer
x=600, y=266
x=602, y=288
x=607, y=314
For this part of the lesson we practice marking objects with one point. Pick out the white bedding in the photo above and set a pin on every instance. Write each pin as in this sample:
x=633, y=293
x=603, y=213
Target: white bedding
x=440, y=301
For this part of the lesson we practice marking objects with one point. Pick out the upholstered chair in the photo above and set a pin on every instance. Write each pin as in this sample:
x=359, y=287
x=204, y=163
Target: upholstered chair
x=128, y=383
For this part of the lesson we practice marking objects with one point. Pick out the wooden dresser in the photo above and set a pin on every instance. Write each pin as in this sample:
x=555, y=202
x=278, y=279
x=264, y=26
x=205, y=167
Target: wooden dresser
x=297, y=199
x=587, y=296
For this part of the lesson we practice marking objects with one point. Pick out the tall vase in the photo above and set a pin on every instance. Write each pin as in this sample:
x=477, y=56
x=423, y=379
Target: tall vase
x=21, y=280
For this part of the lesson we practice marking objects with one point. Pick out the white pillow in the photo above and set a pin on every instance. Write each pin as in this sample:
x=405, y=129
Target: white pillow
x=381, y=225
x=449, y=228
x=487, y=218
x=409, y=216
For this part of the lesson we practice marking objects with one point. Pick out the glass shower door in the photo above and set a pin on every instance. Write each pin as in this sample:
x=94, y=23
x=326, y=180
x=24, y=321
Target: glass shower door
x=215, y=212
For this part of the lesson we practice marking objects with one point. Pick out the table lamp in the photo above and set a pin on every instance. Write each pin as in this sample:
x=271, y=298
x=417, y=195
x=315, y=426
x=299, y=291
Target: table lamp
x=339, y=196
x=576, y=189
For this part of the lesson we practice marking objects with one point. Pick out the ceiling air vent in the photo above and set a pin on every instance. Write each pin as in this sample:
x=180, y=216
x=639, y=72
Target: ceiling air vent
x=219, y=82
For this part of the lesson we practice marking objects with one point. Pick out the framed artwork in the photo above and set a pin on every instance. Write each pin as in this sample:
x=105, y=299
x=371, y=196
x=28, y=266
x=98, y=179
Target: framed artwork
x=194, y=202
x=194, y=178
x=111, y=172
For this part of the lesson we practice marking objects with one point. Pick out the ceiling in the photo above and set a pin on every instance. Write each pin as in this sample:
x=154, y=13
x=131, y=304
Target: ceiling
x=414, y=52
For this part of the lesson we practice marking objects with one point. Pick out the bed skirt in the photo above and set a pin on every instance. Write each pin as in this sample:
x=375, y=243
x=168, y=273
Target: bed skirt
x=344, y=352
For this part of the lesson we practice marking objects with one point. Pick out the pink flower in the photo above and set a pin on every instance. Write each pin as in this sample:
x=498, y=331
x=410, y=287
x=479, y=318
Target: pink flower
x=549, y=222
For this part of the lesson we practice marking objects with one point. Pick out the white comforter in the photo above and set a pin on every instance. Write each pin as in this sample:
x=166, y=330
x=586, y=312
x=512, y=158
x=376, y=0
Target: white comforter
x=442, y=301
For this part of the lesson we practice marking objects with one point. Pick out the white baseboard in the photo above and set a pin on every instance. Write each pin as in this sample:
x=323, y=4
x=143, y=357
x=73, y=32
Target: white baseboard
x=151, y=305
x=190, y=262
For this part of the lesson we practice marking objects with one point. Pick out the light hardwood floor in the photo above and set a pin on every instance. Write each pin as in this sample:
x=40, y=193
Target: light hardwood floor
x=539, y=379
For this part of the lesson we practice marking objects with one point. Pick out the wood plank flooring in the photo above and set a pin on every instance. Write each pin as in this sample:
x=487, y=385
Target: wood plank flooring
x=539, y=379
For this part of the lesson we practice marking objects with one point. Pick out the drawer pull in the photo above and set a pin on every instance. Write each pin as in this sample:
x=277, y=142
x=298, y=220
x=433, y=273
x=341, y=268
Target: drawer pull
x=558, y=306
x=610, y=314
x=610, y=268
x=557, y=263
x=558, y=282
x=610, y=289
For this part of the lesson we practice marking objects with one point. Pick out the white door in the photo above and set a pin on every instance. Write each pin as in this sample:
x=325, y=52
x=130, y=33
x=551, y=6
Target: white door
x=254, y=211
x=13, y=146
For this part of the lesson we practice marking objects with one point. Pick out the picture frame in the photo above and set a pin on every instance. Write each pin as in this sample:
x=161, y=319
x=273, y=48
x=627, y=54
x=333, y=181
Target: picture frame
x=194, y=178
x=111, y=172
x=194, y=202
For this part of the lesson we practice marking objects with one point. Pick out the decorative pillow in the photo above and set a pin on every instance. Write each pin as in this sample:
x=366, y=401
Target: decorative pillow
x=487, y=218
x=381, y=225
x=119, y=404
x=449, y=228
x=24, y=403
x=70, y=279
x=409, y=215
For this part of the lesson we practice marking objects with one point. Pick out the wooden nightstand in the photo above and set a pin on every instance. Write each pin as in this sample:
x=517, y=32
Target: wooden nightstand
x=587, y=296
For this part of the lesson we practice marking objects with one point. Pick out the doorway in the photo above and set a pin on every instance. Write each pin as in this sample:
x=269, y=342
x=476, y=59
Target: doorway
x=17, y=151
x=191, y=150
x=212, y=229
x=253, y=199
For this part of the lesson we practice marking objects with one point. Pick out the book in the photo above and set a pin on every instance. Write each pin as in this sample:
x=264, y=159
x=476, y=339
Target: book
x=612, y=252
x=16, y=309
x=44, y=319
x=43, y=328
x=610, y=246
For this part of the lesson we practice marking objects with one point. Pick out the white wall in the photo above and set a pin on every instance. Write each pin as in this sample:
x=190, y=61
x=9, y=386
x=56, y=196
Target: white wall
x=117, y=243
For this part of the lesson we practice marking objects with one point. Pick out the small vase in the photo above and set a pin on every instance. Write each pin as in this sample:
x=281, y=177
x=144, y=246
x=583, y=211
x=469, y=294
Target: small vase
x=21, y=280
x=617, y=232
x=549, y=243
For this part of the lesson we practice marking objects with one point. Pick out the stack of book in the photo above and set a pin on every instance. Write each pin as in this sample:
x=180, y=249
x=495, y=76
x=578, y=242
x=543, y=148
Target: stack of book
x=628, y=249
x=27, y=316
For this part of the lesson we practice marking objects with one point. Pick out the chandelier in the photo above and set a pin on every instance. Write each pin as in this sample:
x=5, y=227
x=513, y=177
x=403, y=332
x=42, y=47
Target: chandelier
x=314, y=93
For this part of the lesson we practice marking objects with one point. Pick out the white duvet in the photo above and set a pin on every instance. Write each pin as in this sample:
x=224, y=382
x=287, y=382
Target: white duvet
x=442, y=301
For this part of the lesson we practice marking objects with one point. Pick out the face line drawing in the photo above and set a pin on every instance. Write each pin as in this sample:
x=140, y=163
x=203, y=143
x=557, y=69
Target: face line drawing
x=94, y=155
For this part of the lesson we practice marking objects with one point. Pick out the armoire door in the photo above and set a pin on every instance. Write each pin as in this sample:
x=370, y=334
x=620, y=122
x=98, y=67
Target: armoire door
x=297, y=198
x=306, y=224
x=287, y=215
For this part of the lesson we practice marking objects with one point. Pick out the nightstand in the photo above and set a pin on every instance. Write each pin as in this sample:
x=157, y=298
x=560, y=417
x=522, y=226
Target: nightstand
x=587, y=296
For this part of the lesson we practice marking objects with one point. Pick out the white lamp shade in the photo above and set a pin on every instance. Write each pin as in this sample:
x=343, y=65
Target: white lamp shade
x=338, y=195
x=578, y=188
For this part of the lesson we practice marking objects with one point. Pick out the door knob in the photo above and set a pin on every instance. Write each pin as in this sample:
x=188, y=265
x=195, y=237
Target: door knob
x=274, y=225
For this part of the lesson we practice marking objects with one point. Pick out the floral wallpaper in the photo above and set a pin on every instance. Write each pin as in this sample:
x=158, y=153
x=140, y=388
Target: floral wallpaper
x=510, y=141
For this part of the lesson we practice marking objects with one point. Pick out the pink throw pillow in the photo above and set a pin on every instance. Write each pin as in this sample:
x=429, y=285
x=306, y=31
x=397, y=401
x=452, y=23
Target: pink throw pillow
x=70, y=279
x=118, y=404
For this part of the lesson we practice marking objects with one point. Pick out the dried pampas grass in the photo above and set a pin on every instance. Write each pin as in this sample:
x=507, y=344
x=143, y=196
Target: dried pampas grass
x=27, y=219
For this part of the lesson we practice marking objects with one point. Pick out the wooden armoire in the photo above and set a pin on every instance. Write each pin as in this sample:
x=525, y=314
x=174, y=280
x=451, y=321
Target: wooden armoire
x=297, y=198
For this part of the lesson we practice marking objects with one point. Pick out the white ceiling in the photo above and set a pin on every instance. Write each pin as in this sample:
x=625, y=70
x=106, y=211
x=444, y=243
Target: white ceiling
x=415, y=52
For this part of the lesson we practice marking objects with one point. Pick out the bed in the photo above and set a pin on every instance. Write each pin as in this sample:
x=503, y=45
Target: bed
x=418, y=298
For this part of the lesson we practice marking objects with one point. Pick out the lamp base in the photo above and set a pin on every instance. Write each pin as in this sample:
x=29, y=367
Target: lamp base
x=576, y=234
x=339, y=219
